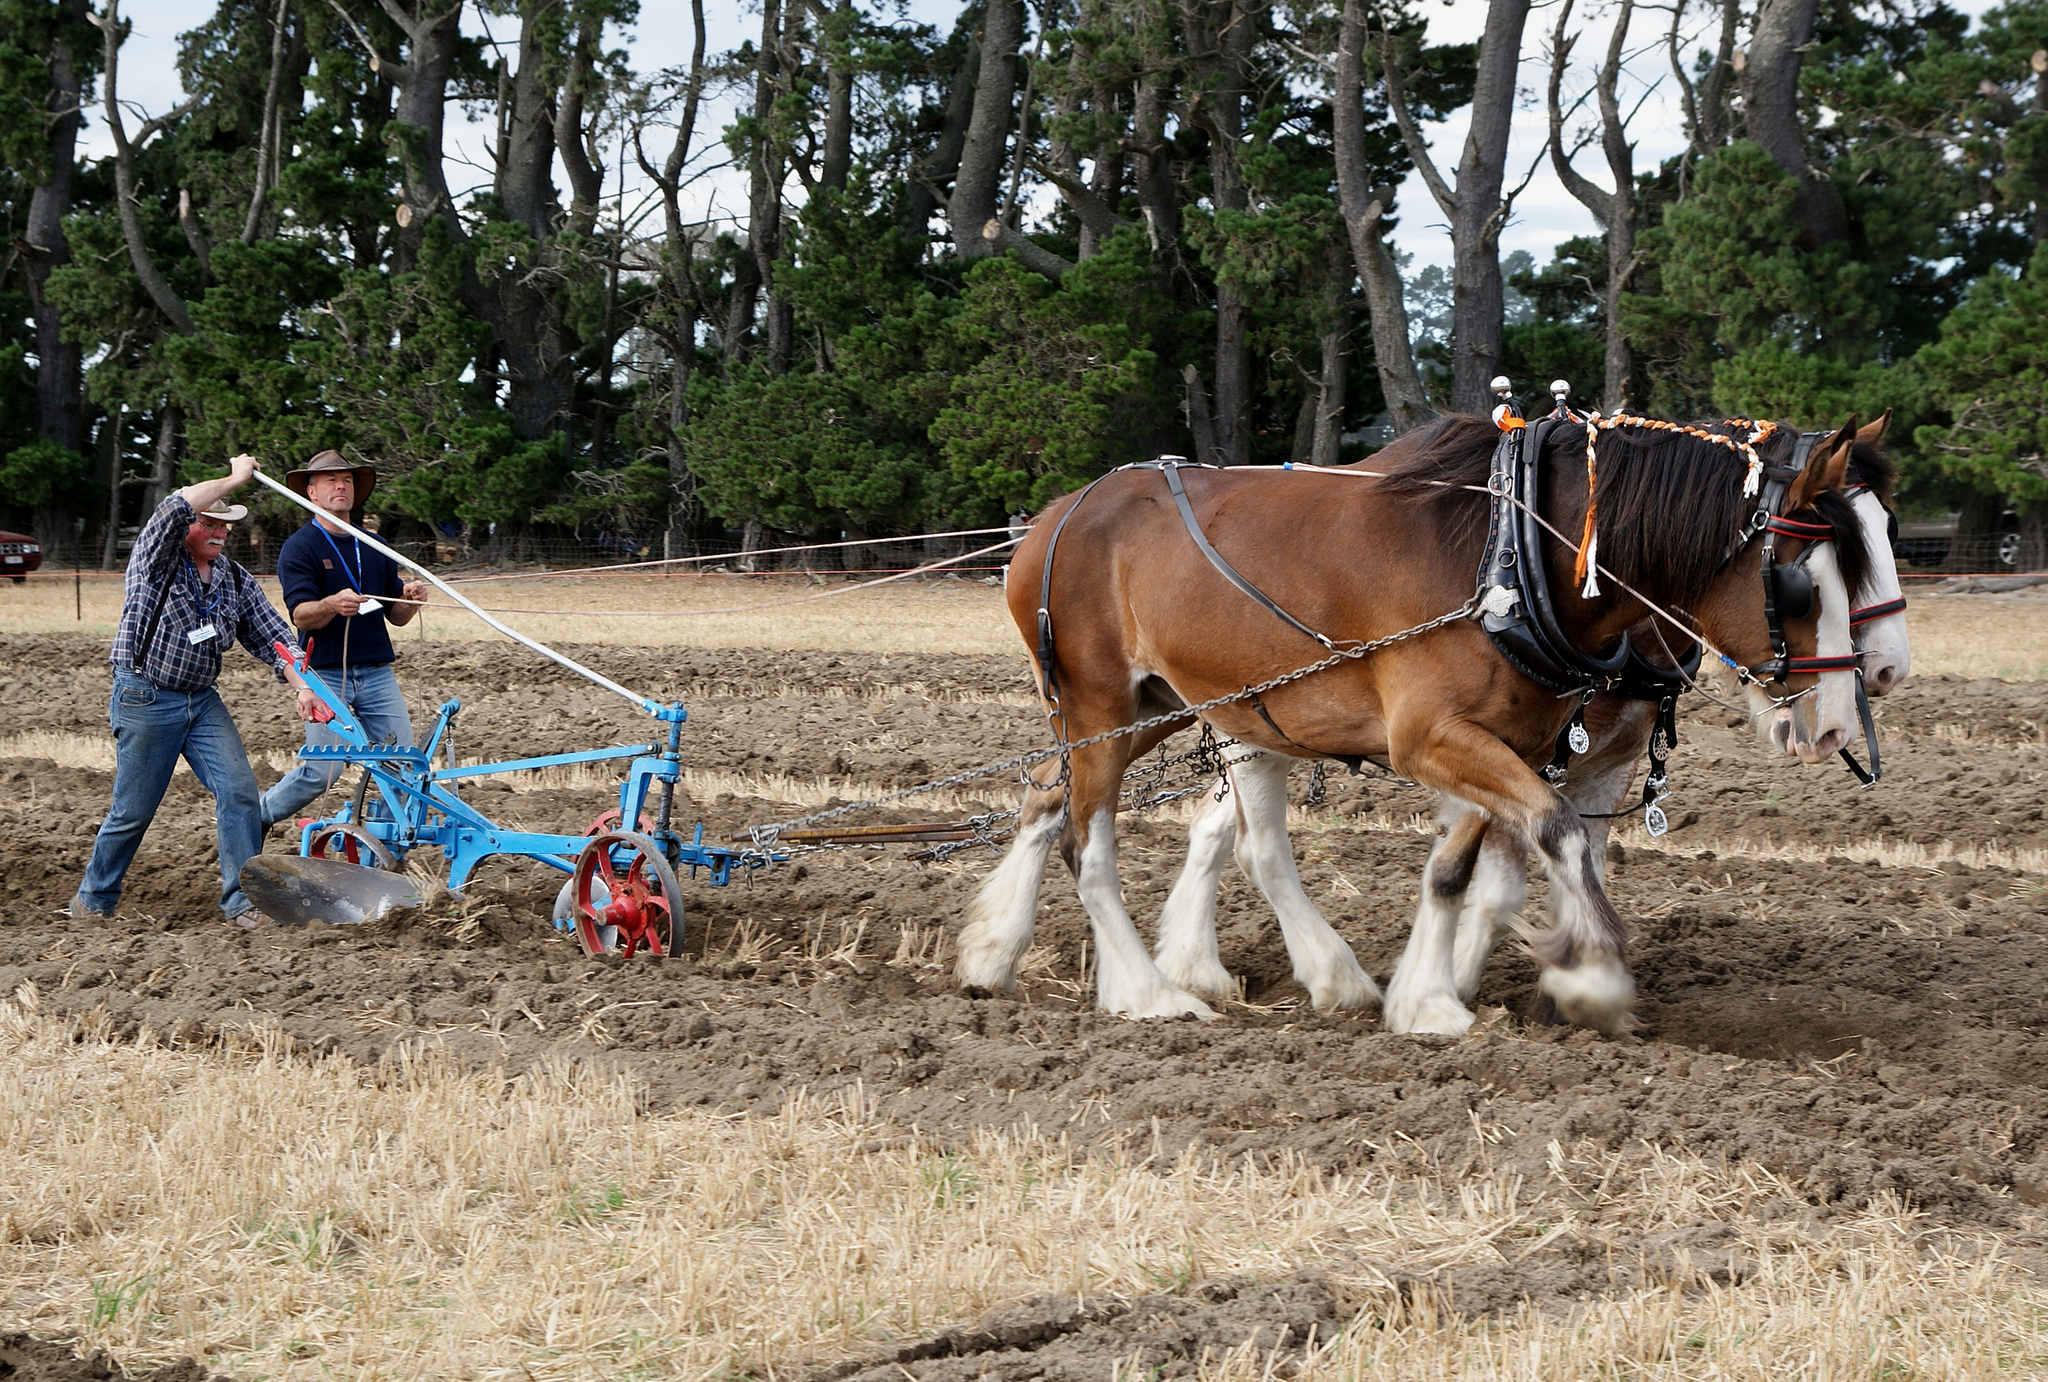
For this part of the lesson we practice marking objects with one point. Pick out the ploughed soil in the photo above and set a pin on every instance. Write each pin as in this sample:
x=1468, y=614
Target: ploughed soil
x=1856, y=1028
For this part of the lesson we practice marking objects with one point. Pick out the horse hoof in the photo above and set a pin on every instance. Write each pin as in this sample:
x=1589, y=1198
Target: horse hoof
x=1167, y=1003
x=1344, y=993
x=1205, y=980
x=1438, y=1015
x=1595, y=995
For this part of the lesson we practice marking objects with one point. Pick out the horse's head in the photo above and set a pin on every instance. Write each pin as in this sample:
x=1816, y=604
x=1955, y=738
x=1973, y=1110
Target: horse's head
x=1878, y=616
x=1780, y=604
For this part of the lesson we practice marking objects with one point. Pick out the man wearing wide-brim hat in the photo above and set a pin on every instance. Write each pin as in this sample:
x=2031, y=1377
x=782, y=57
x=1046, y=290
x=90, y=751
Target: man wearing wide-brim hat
x=343, y=597
x=184, y=603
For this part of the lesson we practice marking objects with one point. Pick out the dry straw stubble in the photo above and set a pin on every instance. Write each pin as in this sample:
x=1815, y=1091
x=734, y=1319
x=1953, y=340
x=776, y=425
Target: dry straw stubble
x=296, y=1219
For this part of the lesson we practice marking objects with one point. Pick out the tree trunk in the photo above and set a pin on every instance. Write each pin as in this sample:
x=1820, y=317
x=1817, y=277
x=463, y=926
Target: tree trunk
x=764, y=198
x=525, y=181
x=163, y=468
x=268, y=141
x=1228, y=29
x=1616, y=210
x=416, y=131
x=1336, y=314
x=60, y=392
x=930, y=175
x=1151, y=170
x=153, y=282
x=2039, y=62
x=836, y=159
x=973, y=204
x=682, y=484
x=110, y=455
x=1476, y=208
x=1770, y=105
x=1363, y=205
x=575, y=140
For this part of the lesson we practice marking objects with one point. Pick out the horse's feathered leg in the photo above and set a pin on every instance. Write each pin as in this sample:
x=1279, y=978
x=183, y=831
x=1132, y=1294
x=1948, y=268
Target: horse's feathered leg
x=1186, y=951
x=1584, y=953
x=1323, y=963
x=1423, y=994
x=1127, y=981
x=1494, y=899
x=1004, y=913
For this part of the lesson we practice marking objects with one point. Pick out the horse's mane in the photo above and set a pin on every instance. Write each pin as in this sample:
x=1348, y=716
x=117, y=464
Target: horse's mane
x=1670, y=503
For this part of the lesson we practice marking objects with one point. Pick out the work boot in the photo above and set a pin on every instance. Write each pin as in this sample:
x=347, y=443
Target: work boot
x=251, y=920
x=81, y=912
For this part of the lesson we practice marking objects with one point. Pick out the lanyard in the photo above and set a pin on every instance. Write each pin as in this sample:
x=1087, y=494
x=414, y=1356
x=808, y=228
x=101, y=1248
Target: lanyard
x=205, y=606
x=356, y=576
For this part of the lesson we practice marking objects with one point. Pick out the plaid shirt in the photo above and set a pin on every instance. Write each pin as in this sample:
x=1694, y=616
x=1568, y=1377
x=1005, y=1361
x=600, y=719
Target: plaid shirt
x=235, y=606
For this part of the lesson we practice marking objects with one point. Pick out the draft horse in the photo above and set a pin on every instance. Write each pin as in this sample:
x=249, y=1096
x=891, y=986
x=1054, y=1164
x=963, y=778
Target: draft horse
x=1456, y=932
x=1132, y=621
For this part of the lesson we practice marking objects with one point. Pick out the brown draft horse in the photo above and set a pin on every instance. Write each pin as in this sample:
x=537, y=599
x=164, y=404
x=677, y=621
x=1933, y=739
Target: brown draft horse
x=1144, y=625
x=1442, y=964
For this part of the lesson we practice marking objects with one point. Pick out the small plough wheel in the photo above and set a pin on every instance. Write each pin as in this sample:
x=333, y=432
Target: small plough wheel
x=610, y=821
x=352, y=844
x=625, y=910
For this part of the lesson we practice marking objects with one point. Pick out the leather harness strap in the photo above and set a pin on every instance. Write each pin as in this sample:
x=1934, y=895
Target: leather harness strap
x=1172, y=468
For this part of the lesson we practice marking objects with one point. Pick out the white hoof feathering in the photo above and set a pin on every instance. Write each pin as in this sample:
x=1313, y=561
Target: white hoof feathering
x=1596, y=994
x=1004, y=913
x=1162, y=1001
x=1341, y=986
x=1191, y=971
x=1439, y=1013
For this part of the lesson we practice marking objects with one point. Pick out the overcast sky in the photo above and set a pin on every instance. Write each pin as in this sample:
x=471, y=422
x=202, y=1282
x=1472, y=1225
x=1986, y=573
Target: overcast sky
x=1544, y=214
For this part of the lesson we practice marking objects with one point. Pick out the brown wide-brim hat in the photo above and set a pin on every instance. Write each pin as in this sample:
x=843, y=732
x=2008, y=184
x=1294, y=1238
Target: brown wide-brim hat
x=366, y=475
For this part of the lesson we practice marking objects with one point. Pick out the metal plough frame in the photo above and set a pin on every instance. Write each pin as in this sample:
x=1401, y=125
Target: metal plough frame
x=421, y=804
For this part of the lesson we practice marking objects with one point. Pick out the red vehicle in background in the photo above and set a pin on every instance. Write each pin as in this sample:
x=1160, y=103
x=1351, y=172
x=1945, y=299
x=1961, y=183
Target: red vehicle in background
x=19, y=555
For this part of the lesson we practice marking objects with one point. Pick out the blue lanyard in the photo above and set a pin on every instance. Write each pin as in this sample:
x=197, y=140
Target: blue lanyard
x=355, y=577
x=205, y=606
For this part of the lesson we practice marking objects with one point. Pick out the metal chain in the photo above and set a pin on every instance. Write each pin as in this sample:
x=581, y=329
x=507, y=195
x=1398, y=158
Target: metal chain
x=765, y=836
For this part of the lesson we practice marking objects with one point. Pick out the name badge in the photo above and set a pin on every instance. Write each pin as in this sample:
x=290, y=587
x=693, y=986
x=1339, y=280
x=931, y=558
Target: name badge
x=370, y=606
x=205, y=633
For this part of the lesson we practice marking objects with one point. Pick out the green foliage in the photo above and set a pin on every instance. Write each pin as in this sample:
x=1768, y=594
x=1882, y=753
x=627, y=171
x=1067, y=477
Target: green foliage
x=1062, y=382
x=41, y=473
x=1989, y=372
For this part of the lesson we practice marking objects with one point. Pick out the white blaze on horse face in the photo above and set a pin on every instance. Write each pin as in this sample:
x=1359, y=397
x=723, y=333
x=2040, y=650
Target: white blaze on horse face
x=1887, y=655
x=1813, y=727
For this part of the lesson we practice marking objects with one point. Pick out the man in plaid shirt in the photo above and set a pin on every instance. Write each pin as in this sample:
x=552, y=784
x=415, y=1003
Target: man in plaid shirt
x=184, y=603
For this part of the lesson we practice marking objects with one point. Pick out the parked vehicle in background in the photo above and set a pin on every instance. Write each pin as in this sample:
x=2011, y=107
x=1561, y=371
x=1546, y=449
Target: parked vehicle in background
x=19, y=555
x=1928, y=543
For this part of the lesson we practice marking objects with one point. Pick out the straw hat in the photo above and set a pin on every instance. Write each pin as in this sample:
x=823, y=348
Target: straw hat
x=366, y=475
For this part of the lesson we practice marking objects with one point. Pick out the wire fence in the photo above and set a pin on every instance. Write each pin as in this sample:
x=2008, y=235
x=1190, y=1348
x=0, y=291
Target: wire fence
x=1998, y=554
x=780, y=555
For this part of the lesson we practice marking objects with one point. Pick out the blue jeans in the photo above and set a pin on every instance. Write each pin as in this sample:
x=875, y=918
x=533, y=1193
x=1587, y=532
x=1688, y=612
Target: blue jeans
x=152, y=728
x=373, y=694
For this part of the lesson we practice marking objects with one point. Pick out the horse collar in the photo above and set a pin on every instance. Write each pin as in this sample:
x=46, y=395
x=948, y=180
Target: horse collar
x=1516, y=608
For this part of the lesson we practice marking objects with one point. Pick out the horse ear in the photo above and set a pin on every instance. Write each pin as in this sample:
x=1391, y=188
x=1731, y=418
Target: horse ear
x=1827, y=466
x=1871, y=433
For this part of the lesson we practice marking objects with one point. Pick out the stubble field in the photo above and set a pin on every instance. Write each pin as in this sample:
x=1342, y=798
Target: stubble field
x=450, y=1146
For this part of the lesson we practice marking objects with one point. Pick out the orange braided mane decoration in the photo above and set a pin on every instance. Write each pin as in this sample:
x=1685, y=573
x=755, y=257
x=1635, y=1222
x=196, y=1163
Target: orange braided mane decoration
x=1586, y=571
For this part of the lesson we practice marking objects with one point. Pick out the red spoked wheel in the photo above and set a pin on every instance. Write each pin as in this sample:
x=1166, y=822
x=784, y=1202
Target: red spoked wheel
x=352, y=844
x=610, y=821
x=629, y=908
